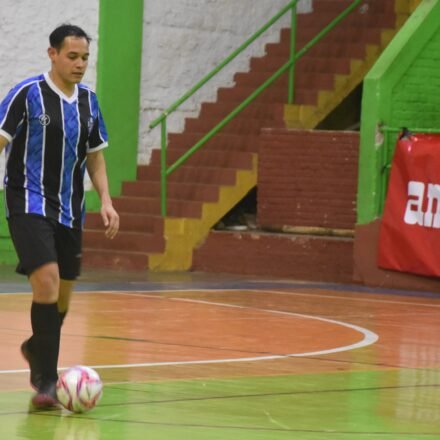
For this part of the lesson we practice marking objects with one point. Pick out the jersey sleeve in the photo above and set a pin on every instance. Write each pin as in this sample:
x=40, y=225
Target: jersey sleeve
x=12, y=112
x=98, y=138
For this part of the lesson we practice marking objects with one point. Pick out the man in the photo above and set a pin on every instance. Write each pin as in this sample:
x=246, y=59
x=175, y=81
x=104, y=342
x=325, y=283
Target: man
x=52, y=128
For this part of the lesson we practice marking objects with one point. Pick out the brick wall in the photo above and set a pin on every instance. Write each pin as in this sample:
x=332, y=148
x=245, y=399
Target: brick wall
x=307, y=178
x=313, y=258
x=416, y=97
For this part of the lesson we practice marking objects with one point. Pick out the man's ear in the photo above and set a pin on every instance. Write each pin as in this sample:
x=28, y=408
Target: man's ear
x=52, y=53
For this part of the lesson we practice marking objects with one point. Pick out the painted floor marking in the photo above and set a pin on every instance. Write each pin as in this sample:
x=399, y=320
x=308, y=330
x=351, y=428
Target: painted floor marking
x=369, y=337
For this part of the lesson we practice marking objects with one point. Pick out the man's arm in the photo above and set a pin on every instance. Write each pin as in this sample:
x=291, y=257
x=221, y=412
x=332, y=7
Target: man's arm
x=98, y=174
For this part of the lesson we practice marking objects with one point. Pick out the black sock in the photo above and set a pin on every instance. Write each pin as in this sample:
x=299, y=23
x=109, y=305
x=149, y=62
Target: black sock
x=46, y=338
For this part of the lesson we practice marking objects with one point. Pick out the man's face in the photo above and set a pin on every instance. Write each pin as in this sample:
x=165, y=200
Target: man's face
x=70, y=62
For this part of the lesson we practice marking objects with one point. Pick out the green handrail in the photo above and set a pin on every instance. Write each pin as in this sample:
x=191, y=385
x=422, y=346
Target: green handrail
x=224, y=63
x=289, y=66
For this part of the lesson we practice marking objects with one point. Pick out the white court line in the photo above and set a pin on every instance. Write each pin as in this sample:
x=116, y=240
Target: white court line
x=144, y=293
x=368, y=338
x=276, y=292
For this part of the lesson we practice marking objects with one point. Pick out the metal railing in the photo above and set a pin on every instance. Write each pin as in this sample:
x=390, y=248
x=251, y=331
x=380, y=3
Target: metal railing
x=287, y=67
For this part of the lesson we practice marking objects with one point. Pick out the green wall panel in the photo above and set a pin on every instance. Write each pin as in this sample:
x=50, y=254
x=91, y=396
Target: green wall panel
x=118, y=88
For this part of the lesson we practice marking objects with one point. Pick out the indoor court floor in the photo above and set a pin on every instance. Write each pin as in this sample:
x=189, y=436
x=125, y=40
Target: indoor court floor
x=201, y=357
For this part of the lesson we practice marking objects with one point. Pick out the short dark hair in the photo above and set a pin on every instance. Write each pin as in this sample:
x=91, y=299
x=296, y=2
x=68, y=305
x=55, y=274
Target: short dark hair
x=56, y=38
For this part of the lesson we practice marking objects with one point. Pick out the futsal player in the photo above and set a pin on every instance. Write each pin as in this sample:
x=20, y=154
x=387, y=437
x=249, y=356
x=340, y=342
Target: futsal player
x=52, y=129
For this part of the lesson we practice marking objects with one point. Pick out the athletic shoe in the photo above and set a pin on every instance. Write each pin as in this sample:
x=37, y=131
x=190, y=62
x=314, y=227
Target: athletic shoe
x=46, y=397
x=30, y=358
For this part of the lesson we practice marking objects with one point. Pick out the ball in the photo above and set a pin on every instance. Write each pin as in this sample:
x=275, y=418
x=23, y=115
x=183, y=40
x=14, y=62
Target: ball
x=79, y=388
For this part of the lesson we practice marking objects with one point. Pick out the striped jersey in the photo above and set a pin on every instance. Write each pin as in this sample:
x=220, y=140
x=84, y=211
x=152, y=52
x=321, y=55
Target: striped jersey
x=49, y=137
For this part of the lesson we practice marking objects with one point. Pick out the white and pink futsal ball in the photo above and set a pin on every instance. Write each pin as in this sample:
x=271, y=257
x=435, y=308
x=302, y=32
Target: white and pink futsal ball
x=79, y=388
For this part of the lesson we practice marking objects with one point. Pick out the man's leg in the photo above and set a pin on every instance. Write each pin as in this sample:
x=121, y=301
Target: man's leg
x=33, y=238
x=45, y=341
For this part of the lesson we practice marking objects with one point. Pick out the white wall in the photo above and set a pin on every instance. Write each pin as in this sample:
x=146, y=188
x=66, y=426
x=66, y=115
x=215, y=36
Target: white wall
x=184, y=40
x=25, y=26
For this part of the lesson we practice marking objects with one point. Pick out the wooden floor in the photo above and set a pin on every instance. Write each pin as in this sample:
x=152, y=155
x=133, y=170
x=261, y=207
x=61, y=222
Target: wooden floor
x=216, y=357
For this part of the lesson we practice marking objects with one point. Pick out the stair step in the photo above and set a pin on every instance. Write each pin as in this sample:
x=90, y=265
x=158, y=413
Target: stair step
x=306, y=97
x=339, y=35
x=361, y=20
x=175, y=190
x=128, y=222
x=343, y=50
x=220, y=142
x=255, y=110
x=305, y=64
x=219, y=176
x=238, y=125
x=115, y=260
x=210, y=158
x=151, y=205
x=335, y=7
x=361, y=17
x=124, y=241
x=313, y=81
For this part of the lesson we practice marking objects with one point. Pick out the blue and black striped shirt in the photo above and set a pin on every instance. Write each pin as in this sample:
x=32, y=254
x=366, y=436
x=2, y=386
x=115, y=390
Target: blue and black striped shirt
x=49, y=137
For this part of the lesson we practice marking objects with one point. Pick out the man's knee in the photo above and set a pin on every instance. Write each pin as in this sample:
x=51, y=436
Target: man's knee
x=45, y=282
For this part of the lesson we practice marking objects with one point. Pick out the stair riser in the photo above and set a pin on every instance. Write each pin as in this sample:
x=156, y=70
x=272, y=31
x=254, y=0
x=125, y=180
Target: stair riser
x=280, y=96
x=152, y=207
x=95, y=259
x=201, y=193
x=208, y=159
x=124, y=242
x=327, y=50
x=128, y=223
x=216, y=176
x=224, y=143
x=317, y=81
x=268, y=112
x=339, y=66
x=242, y=126
x=337, y=36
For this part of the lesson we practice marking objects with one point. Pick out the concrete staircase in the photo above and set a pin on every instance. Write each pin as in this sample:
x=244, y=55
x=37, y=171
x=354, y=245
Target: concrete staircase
x=212, y=181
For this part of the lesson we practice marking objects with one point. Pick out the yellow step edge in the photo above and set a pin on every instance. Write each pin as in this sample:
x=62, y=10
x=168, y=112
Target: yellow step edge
x=401, y=19
x=329, y=100
x=183, y=235
x=294, y=115
x=344, y=84
x=386, y=36
x=413, y=5
x=373, y=51
x=406, y=6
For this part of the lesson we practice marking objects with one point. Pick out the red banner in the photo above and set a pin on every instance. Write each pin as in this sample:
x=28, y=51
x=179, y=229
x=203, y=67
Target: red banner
x=410, y=229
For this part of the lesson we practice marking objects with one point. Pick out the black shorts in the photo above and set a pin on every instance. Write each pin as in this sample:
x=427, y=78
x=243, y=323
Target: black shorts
x=39, y=240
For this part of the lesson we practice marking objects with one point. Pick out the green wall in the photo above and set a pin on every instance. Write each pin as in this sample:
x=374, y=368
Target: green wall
x=118, y=89
x=401, y=90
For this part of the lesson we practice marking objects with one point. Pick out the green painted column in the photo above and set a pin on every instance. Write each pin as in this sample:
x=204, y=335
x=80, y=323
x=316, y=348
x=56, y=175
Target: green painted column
x=118, y=88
